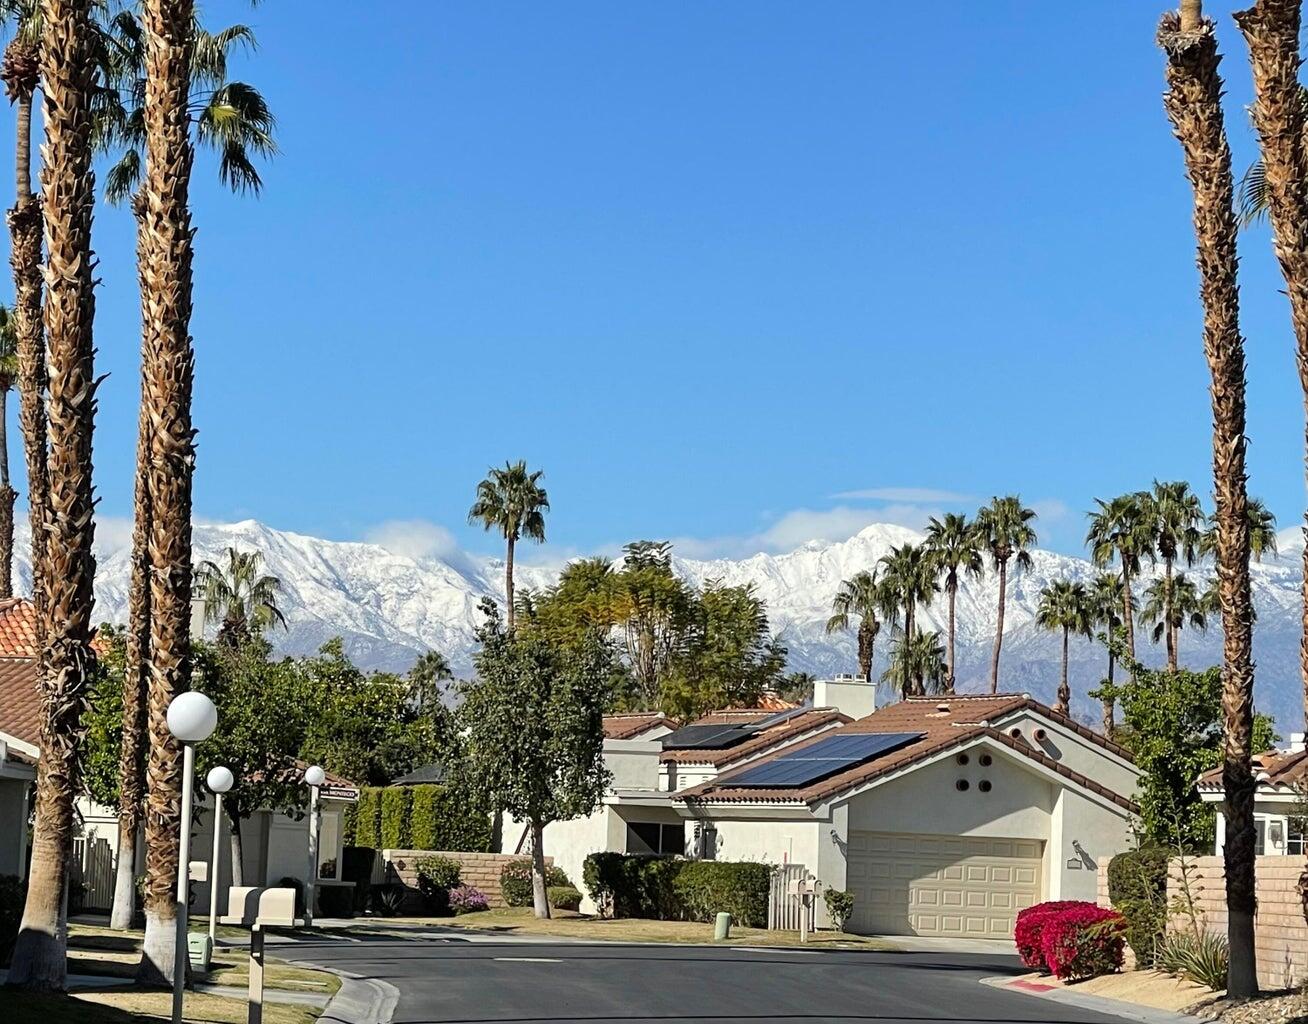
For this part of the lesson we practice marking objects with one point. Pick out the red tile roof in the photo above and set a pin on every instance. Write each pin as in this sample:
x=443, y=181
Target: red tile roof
x=944, y=722
x=17, y=628
x=630, y=725
x=1281, y=768
x=20, y=700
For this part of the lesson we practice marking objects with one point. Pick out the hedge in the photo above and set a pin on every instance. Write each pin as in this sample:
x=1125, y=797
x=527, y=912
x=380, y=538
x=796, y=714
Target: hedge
x=673, y=889
x=427, y=817
x=1137, y=886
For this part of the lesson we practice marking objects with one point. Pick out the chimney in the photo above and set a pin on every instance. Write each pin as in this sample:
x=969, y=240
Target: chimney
x=1298, y=742
x=847, y=694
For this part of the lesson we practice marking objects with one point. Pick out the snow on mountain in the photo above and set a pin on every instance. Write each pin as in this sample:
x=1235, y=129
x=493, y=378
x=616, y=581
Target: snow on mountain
x=390, y=607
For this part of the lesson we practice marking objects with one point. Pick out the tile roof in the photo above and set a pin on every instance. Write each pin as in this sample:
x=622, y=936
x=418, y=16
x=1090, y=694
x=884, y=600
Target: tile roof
x=630, y=725
x=17, y=628
x=944, y=722
x=20, y=700
x=806, y=721
x=1282, y=768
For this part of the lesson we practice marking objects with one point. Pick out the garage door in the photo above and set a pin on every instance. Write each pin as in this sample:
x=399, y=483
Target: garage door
x=941, y=885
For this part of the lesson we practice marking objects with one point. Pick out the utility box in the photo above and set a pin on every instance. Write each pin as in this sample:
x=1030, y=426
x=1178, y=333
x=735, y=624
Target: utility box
x=201, y=951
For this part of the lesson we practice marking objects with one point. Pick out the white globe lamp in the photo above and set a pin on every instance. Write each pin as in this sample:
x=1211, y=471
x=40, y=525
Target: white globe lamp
x=314, y=775
x=220, y=780
x=192, y=717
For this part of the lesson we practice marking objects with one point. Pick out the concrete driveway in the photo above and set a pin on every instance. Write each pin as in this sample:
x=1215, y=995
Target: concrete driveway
x=446, y=980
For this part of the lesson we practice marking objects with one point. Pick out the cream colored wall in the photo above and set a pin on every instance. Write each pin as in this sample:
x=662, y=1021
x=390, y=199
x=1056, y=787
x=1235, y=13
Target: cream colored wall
x=569, y=843
x=772, y=842
x=633, y=763
x=1076, y=752
x=1081, y=831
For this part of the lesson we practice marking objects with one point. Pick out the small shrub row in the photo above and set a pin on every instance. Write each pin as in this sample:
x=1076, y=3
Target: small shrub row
x=673, y=889
x=428, y=817
x=1072, y=940
x=564, y=897
x=515, y=882
x=437, y=878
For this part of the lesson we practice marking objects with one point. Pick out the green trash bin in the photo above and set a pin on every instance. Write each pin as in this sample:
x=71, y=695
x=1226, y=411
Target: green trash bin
x=722, y=927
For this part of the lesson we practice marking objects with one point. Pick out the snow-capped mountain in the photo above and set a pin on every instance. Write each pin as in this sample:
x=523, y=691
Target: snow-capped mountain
x=389, y=607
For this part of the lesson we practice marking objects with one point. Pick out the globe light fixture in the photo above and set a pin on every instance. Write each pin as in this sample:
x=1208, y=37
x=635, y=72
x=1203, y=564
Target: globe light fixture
x=314, y=775
x=192, y=717
x=220, y=780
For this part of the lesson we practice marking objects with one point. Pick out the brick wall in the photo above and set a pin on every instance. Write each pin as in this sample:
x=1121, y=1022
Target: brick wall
x=1280, y=931
x=481, y=870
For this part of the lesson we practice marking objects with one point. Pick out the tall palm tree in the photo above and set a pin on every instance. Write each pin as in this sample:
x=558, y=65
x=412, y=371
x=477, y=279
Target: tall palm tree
x=865, y=597
x=917, y=664
x=512, y=501
x=956, y=546
x=1194, y=106
x=1262, y=532
x=8, y=376
x=239, y=597
x=425, y=678
x=1005, y=528
x=1170, y=603
x=1106, y=605
x=1118, y=529
x=68, y=188
x=909, y=576
x=1065, y=606
x=1176, y=523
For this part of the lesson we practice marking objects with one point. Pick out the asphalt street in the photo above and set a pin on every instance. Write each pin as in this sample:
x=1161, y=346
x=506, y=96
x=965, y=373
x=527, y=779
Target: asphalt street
x=446, y=980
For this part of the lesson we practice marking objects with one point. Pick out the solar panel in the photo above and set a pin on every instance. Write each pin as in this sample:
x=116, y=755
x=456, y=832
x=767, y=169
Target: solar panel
x=823, y=758
x=706, y=737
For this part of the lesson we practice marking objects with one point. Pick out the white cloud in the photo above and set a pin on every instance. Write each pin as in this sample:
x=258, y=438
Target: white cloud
x=415, y=538
x=909, y=495
x=1290, y=539
x=1051, y=510
x=112, y=534
x=802, y=525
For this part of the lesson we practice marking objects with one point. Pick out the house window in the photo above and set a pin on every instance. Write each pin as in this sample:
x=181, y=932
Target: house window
x=1260, y=837
x=708, y=843
x=1296, y=837
x=653, y=837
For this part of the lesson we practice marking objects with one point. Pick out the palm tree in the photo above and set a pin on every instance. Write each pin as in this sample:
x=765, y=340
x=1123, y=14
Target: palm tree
x=1065, y=605
x=1106, y=604
x=1194, y=106
x=8, y=375
x=512, y=501
x=68, y=77
x=866, y=597
x=1262, y=532
x=1176, y=523
x=956, y=546
x=1119, y=530
x=1172, y=602
x=425, y=678
x=1005, y=529
x=917, y=664
x=239, y=597
x=909, y=576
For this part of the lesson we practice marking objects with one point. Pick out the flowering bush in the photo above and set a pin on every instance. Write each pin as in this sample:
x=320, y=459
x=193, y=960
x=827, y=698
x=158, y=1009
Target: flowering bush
x=1083, y=942
x=1030, y=927
x=467, y=899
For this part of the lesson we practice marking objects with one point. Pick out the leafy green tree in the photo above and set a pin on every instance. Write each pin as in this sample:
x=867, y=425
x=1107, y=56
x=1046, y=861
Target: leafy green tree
x=917, y=664
x=865, y=597
x=1118, y=529
x=239, y=597
x=1065, y=606
x=532, y=732
x=956, y=546
x=1107, y=597
x=1171, y=603
x=512, y=501
x=1005, y=527
x=103, y=718
x=653, y=609
x=1172, y=724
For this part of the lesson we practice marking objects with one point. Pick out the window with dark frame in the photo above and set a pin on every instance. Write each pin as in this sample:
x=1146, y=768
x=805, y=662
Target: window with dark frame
x=652, y=837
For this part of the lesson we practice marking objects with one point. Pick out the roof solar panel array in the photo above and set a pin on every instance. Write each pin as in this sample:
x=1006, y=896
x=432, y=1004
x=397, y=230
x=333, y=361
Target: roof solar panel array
x=821, y=759
x=707, y=737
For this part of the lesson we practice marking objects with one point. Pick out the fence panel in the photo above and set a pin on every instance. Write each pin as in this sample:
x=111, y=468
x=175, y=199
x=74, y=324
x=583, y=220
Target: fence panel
x=93, y=869
x=784, y=909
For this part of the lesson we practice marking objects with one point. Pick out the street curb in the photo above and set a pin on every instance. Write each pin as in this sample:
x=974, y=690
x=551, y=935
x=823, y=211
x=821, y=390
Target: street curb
x=1099, y=1004
x=359, y=1000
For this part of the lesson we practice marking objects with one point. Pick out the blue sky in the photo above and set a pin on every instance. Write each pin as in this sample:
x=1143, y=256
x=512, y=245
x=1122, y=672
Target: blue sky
x=737, y=273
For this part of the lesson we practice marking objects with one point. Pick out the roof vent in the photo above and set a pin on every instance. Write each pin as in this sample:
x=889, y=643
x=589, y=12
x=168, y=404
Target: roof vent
x=1040, y=735
x=1015, y=732
x=943, y=707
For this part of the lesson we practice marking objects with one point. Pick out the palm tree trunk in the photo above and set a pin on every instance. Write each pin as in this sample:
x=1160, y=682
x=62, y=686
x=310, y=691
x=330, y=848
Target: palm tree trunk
x=7, y=498
x=1064, y=690
x=949, y=680
x=1169, y=615
x=68, y=73
x=508, y=583
x=236, y=843
x=1272, y=31
x=1128, y=612
x=1194, y=106
x=1108, y=724
x=539, y=891
x=865, y=649
x=165, y=253
x=999, y=628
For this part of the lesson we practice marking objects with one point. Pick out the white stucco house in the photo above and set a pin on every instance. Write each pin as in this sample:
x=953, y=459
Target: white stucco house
x=1280, y=800
x=944, y=816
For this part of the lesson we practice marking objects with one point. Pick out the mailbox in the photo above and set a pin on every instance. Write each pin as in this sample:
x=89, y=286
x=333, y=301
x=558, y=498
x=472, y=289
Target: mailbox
x=258, y=906
x=198, y=871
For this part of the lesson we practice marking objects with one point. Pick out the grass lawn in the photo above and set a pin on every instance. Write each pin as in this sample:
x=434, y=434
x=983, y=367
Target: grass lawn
x=129, y=1006
x=521, y=921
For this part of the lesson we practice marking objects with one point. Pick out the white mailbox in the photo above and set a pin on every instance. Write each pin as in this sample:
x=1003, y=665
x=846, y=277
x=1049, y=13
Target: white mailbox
x=258, y=906
x=198, y=871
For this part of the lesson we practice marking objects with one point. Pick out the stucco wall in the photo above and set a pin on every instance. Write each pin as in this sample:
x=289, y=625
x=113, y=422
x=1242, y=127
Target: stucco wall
x=634, y=763
x=569, y=843
x=1078, y=753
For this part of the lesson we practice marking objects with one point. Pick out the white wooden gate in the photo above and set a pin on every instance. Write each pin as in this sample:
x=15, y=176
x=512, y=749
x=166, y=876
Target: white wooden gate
x=785, y=909
x=93, y=869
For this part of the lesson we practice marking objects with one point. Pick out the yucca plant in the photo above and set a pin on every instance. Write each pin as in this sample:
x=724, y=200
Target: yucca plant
x=1201, y=956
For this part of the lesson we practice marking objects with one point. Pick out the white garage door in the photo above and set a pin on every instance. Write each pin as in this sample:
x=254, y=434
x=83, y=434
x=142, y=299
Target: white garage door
x=941, y=885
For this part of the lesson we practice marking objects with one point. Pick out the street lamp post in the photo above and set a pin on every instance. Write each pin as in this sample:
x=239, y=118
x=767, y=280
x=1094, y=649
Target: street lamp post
x=220, y=780
x=192, y=719
x=315, y=777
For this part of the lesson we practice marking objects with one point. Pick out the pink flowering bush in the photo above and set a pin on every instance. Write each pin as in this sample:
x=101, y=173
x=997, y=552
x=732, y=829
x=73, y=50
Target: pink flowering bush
x=1083, y=942
x=1030, y=928
x=467, y=899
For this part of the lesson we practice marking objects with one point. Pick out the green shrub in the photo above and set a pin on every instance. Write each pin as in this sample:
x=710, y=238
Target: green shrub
x=564, y=897
x=1137, y=887
x=396, y=802
x=425, y=818
x=349, y=823
x=1203, y=958
x=367, y=818
x=840, y=907
x=388, y=900
x=515, y=883
x=708, y=887
x=601, y=874
x=672, y=889
x=13, y=895
x=436, y=877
